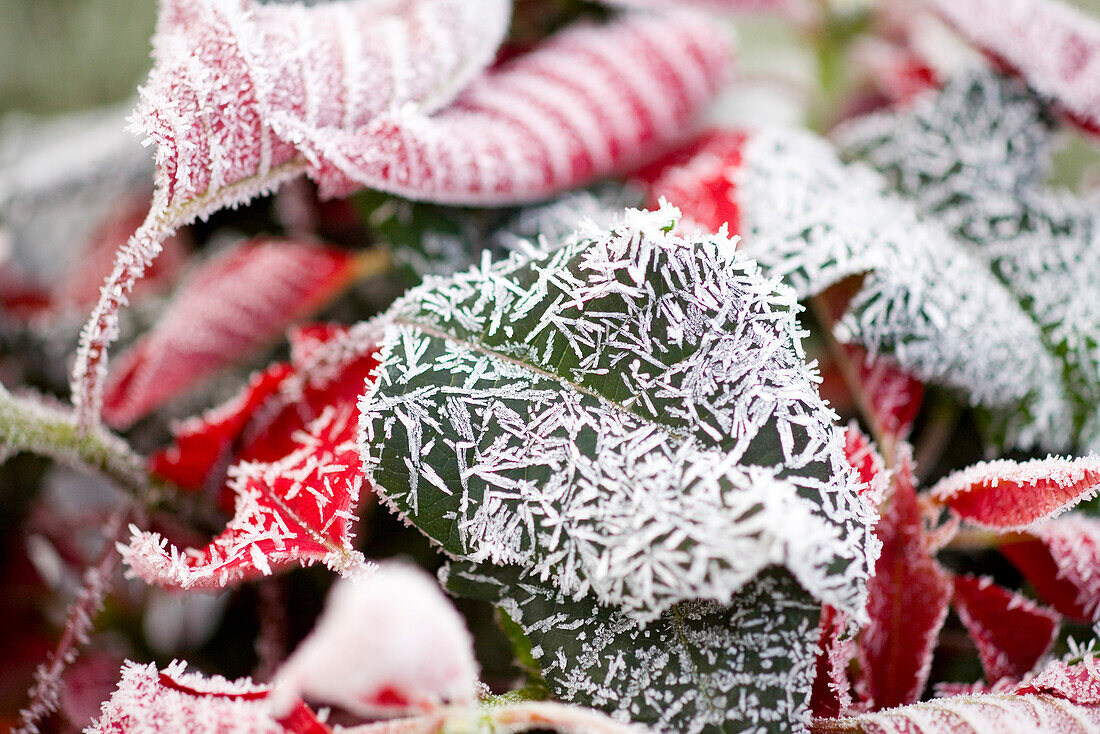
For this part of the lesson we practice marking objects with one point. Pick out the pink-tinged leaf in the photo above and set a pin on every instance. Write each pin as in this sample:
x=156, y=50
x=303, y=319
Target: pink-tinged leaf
x=907, y=600
x=1056, y=48
x=148, y=701
x=832, y=691
x=788, y=8
x=862, y=456
x=893, y=395
x=697, y=179
x=389, y=643
x=296, y=479
x=231, y=78
x=235, y=305
x=1012, y=632
x=589, y=102
x=897, y=72
x=1062, y=562
x=1010, y=495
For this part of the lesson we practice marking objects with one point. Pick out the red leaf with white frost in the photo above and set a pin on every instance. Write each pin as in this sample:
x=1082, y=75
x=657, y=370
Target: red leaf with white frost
x=1010, y=495
x=699, y=180
x=387, y=643
x=831, y=695
x=1056, y=48
x=149, y=701
x=1012, y=632
x=907, y=600
x=297, y=476
x=588, y=102
x=232, y=307
x=230, y=76
x=1062, y=562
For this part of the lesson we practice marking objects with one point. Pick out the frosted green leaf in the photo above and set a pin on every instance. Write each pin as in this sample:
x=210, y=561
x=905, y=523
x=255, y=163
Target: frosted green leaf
x=628, y=416
x=699, y=667
x=974, y=156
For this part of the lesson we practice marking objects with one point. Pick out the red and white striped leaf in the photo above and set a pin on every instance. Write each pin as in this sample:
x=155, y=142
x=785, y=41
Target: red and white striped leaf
x=907, y=600
x=230, y=76
x=232, y=307
x=295, y=478
x=1062, y=562
x=1012, y=632
x=1011, y=495
x=1055, y=47
x=588, y=102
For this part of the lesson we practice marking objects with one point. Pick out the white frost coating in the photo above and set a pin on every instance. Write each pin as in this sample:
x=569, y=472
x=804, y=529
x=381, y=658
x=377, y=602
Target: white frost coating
x=976, y=156
x=926, y=301
x=499, y=379
x=149, y=701
x=387, y=643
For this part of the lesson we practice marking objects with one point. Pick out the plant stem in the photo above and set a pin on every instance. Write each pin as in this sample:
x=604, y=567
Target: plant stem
x=98, y=578
x=28, y=424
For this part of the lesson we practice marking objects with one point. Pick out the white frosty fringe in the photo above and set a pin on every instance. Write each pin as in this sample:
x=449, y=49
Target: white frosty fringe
x=935, y=309
x=643, y=499
x=388, y=643
x=1074, y=480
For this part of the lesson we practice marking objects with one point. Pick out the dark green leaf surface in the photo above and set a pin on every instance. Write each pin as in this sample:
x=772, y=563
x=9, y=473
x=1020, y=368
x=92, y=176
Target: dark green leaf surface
x=699, y=667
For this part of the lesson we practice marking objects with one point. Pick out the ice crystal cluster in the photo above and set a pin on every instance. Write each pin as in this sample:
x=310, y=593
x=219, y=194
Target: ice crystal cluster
x=626, y=416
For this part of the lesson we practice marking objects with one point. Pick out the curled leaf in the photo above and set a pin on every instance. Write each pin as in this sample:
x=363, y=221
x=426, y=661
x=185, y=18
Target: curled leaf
x=232, y=306
x=1010, y=495
x=228, y=79
x=1012, y=633
x=588, y=102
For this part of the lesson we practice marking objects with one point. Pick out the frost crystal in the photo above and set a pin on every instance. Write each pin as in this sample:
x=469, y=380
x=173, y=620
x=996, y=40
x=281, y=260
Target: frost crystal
x=699, y=668
x=629, y=414
x=975, y=156
x=387, y=643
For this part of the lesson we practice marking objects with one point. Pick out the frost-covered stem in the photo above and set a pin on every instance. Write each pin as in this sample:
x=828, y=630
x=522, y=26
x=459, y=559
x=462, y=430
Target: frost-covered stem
x=29, y=425
x=46, y=691
x=849, y=371
x=517, y=717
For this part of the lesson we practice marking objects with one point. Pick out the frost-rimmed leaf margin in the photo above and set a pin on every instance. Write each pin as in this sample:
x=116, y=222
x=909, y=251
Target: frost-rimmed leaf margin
x=629, y=414
x=699, y=667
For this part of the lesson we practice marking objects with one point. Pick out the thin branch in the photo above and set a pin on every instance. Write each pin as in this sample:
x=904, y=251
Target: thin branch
x=98, y=579
x=27, y=424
